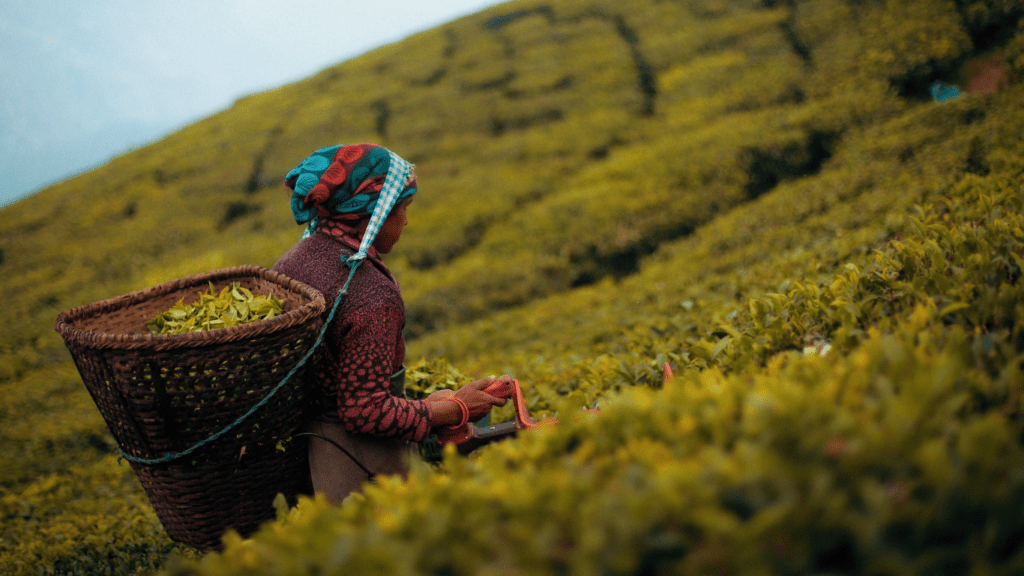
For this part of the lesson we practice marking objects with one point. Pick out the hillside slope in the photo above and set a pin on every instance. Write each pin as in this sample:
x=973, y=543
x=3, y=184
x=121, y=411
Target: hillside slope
x=606, y=187
x=677, y=113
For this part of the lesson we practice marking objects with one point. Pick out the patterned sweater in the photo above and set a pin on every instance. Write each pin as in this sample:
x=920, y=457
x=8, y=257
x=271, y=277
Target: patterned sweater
x=365, y=344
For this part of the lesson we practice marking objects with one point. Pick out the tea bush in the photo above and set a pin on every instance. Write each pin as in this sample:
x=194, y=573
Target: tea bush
x=88, y=519
x=758, y=195
x=876, y=462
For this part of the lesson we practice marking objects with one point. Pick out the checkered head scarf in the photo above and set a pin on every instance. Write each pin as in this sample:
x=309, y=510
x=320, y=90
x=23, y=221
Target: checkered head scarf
x=347, y=183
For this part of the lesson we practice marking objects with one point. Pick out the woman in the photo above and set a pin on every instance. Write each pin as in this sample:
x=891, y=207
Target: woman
x=355, y=200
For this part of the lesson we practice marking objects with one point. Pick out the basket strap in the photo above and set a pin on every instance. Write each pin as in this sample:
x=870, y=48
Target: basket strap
x=370, y=475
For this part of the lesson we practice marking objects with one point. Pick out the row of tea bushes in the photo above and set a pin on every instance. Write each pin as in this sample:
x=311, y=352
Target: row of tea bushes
x=749, y=95
x=795, y=242
x=960, y=261
x=87, y=519
x=893, y=445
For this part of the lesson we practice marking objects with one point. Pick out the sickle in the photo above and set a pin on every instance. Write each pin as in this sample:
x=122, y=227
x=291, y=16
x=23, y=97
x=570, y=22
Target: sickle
x=501, y=388
x=511, y=389
x=469, y=437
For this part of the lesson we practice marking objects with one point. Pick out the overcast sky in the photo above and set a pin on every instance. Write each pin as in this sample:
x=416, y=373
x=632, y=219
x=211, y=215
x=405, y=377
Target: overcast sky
x=83, y=82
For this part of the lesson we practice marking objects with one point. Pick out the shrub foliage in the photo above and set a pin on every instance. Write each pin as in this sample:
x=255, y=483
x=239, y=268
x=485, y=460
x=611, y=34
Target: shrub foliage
x=758, y=195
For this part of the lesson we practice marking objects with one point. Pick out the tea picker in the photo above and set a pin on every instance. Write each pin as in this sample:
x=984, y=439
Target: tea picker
x=210, y=421
x=354, y=201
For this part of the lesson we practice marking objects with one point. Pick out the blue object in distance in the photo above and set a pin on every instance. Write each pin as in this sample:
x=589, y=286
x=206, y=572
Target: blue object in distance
x=942, y=92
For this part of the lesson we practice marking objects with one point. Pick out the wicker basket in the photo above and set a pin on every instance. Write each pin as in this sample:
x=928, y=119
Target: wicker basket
x=162, y=394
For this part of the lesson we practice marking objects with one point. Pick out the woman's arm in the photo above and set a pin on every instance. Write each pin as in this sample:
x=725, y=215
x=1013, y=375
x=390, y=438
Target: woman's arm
x=368, y=352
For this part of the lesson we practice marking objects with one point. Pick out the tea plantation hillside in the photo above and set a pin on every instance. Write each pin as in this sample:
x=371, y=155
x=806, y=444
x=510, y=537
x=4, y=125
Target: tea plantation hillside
x=790, y=277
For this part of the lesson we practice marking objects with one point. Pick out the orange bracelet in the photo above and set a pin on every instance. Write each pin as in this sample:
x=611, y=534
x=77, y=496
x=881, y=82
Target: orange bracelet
x=465, y=411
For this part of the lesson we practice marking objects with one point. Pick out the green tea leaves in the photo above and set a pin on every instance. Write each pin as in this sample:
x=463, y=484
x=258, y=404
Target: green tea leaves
x=234, y=305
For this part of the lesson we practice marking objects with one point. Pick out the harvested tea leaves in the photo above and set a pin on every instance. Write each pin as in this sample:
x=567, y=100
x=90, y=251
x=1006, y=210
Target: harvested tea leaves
x=232, y=306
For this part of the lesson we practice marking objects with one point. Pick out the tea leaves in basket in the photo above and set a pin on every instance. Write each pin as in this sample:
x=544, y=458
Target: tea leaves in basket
x=232, y=306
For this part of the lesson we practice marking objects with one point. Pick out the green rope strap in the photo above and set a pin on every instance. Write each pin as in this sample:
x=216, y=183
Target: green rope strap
x=353, y=262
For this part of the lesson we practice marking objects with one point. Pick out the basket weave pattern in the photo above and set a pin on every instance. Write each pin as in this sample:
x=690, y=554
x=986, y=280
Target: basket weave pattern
x=162, y=394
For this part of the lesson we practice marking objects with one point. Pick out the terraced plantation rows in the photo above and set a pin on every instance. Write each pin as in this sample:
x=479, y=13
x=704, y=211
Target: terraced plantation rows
x=761, y=196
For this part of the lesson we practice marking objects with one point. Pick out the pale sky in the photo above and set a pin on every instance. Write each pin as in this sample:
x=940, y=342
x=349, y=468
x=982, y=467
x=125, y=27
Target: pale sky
x=83, y=82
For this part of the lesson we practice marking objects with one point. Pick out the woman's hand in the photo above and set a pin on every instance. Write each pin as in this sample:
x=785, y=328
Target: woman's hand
x=478, y=402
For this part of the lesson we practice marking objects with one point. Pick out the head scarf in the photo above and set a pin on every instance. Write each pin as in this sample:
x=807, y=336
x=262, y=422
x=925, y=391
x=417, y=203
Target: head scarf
x=349, y=182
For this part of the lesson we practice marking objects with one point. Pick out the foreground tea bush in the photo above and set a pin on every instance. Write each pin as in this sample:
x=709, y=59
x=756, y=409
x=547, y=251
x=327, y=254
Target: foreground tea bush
x=893, y=459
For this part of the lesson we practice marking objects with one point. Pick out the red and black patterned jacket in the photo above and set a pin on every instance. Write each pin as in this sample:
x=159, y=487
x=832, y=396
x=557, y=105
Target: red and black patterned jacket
x=365, y=344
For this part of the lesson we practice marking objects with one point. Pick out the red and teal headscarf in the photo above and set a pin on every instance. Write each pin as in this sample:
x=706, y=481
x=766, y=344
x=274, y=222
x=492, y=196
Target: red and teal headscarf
x=349, y=182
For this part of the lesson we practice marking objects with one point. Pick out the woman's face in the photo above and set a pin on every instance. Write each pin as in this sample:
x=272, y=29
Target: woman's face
x=392, y=228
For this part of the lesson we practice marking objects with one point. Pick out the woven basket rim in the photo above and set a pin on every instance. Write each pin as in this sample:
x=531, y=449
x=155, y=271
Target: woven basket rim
x=314, y=306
